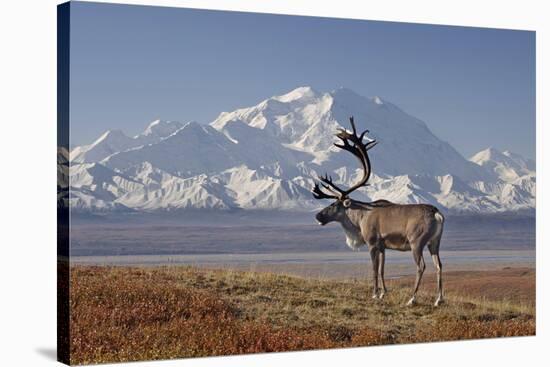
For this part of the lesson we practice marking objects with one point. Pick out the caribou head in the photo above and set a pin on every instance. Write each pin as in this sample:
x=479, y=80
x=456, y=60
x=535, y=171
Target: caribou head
x=353, y=143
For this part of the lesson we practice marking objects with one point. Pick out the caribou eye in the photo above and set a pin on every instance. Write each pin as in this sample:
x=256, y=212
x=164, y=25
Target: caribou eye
x=347, y=203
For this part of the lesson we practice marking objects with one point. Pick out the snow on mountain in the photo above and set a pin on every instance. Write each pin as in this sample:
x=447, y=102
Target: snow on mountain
x=287, y=117
x=196, y=149
x=238, y=187
x=507, y=165
x=115, y=141
x=526, y=163
x=256, y=189
x=112, y=141
x=447, y=191
x=157, y=130
x=267, y=157
x=62, y=167
x=171, y=192
x=528, y=183
x=105, y=183
x=516, y=187
x=306, y=120
x=94, y=187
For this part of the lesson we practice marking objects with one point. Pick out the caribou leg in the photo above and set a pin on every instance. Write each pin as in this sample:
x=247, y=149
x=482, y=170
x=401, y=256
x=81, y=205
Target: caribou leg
x=438, y=267
x=374, y=259
x=382, y=259
x=420, y=266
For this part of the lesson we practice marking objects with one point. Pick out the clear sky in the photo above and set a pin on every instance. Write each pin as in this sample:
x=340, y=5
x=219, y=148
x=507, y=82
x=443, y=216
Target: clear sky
x=130, y=65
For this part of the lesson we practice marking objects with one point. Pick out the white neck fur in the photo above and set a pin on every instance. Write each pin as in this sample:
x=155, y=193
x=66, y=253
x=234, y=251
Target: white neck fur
x=354, y=239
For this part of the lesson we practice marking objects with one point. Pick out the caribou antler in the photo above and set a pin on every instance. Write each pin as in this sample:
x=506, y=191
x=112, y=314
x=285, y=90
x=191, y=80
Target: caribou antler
x=319, y=194
x=330, y=186
x=358, y=149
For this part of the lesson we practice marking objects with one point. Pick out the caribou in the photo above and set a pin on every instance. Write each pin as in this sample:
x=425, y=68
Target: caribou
x=381, y=224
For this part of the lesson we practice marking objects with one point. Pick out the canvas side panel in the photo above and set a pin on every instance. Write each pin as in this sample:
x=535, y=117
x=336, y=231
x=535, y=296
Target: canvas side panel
x=63, y=54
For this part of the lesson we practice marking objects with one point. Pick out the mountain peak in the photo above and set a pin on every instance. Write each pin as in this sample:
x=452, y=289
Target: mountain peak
x=154, y=123
x=193, y=125
x=113, y=132
x=298, y=93
x=110, y=135
x=487, y=154
x=149, y=129
x=195, y=129
x=507, y=165
x=160, y=128
x=494, y=155
x=377, y=100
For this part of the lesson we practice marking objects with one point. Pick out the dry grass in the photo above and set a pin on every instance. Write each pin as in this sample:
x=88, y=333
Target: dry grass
x=126, y=314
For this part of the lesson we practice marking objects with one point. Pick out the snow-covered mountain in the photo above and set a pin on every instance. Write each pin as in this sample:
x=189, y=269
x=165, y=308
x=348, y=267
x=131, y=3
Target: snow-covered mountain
x=305, y=120
x=115, y=141
x=267, y=156
x=506, y=165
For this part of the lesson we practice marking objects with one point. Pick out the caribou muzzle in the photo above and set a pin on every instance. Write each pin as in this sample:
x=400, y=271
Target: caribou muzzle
x=321, y=218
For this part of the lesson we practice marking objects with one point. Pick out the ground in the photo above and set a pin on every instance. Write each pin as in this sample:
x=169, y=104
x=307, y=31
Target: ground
x=138, y=313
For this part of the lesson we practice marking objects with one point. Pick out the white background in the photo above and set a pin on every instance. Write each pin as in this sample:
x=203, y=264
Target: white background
x=28, y=182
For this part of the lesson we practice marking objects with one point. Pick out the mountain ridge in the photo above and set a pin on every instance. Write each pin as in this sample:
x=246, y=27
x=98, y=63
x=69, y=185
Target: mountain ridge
x=267, y=157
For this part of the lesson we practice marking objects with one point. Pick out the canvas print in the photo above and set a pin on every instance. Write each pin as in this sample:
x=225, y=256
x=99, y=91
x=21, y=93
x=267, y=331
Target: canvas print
x=233, y=183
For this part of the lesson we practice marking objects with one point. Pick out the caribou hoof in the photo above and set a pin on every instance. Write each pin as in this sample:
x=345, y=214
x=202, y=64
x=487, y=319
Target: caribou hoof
x=375, y=296
x=381, y=296
x=438, y=302
x=412, y=302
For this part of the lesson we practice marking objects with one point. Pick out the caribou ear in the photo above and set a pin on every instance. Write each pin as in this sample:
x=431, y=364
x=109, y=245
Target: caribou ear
x=347, y=203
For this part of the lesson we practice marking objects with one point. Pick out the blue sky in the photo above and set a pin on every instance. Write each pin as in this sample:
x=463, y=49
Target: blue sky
x=130, y=65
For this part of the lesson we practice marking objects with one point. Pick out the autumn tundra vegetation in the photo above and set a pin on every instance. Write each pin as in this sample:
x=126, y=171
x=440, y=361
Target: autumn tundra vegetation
x=136, y=313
